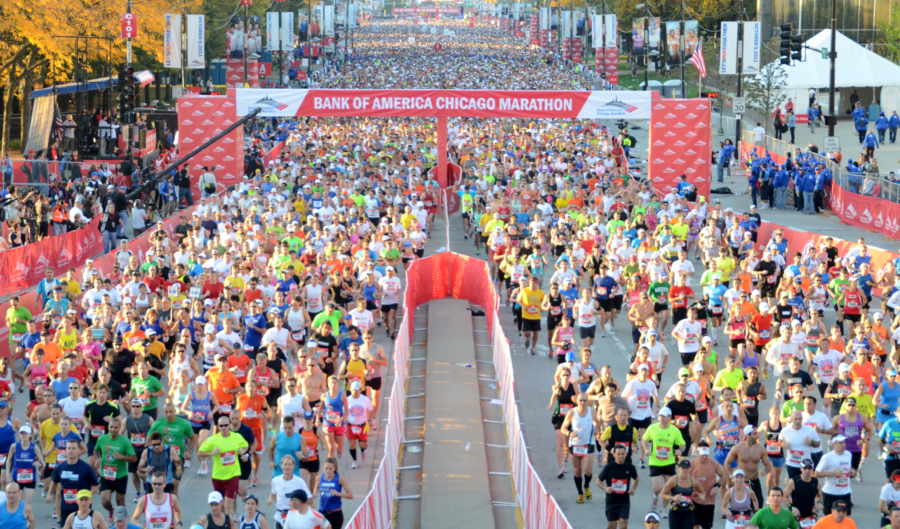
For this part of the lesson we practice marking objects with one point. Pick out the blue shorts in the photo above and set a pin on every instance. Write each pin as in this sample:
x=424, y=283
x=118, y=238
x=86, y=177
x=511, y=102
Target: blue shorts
x=777, y=462
x=720, y=459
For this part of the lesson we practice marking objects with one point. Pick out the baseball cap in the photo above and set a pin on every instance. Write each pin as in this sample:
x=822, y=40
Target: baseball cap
x=763, y=307
x=807, y=463
x=651, y=517
x=844, y=368
x=665, y=411
x=209, y=329
x=356, y=385
x=839, y=505
x=739, y=472
x=643, y=367
x=214, y=497
x=308, y=415
x=748, y=429
x=707, y=339
x=85, y=494
x=697, y=368
x=200, y=380
x=684, y=463
x=120, y=514
x=684, y=372
x=298, y=494
x=838, y=439
x=570, y=356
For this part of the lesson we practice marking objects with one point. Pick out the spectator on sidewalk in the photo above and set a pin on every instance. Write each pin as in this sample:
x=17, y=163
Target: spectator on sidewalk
x=893, y=124
x=881, y=125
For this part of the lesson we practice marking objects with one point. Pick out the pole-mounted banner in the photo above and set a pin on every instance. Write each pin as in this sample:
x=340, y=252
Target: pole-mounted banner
x=129, y=26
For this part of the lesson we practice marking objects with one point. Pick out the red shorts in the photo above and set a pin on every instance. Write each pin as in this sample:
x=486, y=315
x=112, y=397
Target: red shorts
x=358, y=433
x=259, y=438
x=336, y=430
x=227, y=487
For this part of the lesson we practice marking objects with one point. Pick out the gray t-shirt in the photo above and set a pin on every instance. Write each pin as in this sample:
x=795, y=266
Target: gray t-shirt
x=136, y=430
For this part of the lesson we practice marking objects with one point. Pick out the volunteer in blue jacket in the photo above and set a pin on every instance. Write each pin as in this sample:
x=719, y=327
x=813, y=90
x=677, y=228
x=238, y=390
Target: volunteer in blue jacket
x=881, y=125
x=862, y=126
x=870, y=143
x=725, y=154
x=809, y=188
x=792, y=124
x=754, y=177
x=813, y=114
x=780, y=185
x=858, y=112
x=822, y=180
x=893, y=125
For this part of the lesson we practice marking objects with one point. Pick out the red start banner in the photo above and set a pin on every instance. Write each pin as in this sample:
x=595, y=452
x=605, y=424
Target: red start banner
x=446, y=103
x=129, y=26
x=426, y=10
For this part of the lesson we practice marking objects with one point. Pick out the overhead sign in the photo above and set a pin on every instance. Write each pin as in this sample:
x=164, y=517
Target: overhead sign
x=832, y=144
x=129, y=26
x=449, y=103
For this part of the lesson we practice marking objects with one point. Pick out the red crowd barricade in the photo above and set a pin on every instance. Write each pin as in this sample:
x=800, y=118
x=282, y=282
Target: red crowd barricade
x=23, y=267
x=435, y=277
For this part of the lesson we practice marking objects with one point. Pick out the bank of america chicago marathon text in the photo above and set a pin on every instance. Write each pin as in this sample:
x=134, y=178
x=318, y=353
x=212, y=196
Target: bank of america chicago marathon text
x=519, y=104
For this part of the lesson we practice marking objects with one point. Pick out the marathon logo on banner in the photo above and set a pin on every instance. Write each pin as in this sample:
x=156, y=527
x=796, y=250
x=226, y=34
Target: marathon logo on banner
x=450, y=103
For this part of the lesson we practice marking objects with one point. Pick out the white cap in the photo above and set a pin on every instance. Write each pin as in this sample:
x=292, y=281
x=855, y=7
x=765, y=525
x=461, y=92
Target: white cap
x=796, y=323
x=209, y=329
x=356, y=385
x=214, y=497
x=755, y=293
x=707, y=339
x=643, y=367
x=838, y=439
x=697, y=368
x=200, y=380
x=665, y=411
x=763, y=307
x=25, y=429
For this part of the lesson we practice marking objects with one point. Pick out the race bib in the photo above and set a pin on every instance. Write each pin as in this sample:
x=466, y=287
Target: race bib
x=564, y=408
x=643, y=402
x=332, y=416
x=17, y=337
x=109, y=472
x=807, y=522
x=580, y=450
x=3, y=458
x=97, y=431
x=195, y=292
x=532, y=309
x=851, y=431
x=749, y=402
x=715, y=309
x=740, y=520
x=770, y=280
x=228, y=458
x=138, y=439
x=764, y=334
x=250, y=414
x=843, y=480
x=159, y=522
x=70, y=495
x=681, y=421
x=796, y=456
x=239, y=373
x=773, y=448
x=225, y=409
x=25, y=475
x=663, y=452
x=198, y=416
x=620, y=486
x=144, y=398
x=555, y=311
x=355, y=430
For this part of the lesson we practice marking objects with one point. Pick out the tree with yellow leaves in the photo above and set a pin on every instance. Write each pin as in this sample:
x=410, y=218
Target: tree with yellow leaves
x=33, y=52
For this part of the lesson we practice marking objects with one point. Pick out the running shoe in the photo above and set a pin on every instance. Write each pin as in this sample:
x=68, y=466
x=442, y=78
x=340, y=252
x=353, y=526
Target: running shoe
x=109, y=520
x=465, y=236
x=560, y=474
x=137, y=497
x=580, y=498
x=602, y=334
x=387, y=332
x=477, y=252
x=353, y=465
x=187, y=463
x=363, y=455
x=255, y=482
x=587, y=493
x=665, y=513
x=374, y=424
x=54, y=515
x=642, y=463
x=859, y=477
x=533, y=352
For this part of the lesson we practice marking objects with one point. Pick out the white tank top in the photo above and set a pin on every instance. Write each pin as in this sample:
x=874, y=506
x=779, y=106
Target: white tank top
x=9, y=379
x=314, y=299
x=586, y=314
x=582, y=429
x=295, y=320
x=87, y=523
x=184, y=366
x=158, y=516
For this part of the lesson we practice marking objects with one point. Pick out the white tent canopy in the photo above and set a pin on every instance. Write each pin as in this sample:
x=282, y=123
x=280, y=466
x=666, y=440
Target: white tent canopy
x=856, y=67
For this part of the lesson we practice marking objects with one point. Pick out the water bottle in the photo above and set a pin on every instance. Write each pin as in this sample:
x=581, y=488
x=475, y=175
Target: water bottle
x=468, y=446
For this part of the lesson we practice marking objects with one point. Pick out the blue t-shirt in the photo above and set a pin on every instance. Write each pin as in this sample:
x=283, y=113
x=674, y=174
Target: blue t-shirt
x=79, y=476
x=61, y=387
x=715, y=294
x=254, y=338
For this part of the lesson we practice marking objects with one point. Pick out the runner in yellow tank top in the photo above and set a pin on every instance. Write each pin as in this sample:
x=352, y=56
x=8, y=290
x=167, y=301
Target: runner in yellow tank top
x=66, y=336
x=354, y=368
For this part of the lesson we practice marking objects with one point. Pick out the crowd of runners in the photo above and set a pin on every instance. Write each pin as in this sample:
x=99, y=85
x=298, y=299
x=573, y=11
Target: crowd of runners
x=244, y=343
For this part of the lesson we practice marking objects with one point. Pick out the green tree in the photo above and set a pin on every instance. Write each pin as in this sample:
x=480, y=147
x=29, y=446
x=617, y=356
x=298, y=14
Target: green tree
x=891, y=36
x=765, y=90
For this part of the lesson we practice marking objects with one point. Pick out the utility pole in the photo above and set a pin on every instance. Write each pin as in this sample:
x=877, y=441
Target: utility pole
x=832, y=54
x=647, y=47
x=308, y=39
x=184, y=44
x=280, y=45
x=128, y=55
x=559, y=30
x=740, y=75
x=244, y=36
x=682, y=41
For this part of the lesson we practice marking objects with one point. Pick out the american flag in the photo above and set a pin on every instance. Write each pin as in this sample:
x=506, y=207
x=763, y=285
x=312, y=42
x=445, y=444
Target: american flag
x=697, y=60
x=57, y=124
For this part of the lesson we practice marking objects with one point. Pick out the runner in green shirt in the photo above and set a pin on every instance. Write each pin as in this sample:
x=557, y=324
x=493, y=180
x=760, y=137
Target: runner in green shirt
x=659, y=293
x=17, y=318
x=175, y=431
x=665, y=442
x=773, y=516
x=838, y=286
x=114, y=452
x=147, y=388
x=730, y=377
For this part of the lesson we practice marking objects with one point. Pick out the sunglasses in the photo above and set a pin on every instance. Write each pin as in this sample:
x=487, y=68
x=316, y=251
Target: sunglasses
x=158, y=484
x=225, y=424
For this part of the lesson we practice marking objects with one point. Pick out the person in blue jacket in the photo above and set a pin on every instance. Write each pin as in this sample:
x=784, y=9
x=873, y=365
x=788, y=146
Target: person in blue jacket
x=881, y=125
x=893, y=125
x=780, y=185
x=809, y=188
x=870, y=143
x=862, y=126
x=858, y=112
x=792, y=124
x=753, y=181
x=725, y=154
x=821, y=182
x=813, y=114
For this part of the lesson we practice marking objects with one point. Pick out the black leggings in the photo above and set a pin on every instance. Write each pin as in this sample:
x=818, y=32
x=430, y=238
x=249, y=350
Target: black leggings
x=335, y=518
x=681, y=519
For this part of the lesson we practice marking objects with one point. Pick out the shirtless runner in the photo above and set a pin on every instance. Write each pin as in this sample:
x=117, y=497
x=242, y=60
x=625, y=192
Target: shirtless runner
x=313, y=383
x=637, y=315
x=748, y=454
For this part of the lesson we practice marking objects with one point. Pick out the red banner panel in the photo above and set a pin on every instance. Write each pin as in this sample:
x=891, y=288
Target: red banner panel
x=680, y=138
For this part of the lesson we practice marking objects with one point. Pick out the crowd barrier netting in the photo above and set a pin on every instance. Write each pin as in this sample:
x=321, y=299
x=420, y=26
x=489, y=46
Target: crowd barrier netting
x=462, y=277
x=23, y=267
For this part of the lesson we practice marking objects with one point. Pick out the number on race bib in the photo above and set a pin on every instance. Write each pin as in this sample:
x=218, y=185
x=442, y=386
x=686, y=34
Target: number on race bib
x=580, y=450
x=228, y=458
x=109, y=472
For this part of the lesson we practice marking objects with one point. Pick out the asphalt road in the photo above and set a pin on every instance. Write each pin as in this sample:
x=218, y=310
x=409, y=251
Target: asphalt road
x=534, y=379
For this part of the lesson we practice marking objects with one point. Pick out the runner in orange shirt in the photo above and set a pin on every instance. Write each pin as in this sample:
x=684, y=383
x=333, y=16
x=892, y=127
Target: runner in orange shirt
x=239, y=363
x=862, y=368
x=254, y=413
x=224, y=386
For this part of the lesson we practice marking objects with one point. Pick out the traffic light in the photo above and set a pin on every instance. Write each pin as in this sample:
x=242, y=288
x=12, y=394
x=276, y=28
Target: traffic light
x=786, y=44
x=126, y=94
x=796, y=47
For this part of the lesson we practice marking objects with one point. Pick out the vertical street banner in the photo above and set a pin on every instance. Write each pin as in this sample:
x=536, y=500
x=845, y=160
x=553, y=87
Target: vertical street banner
x=729, y=49
x=637, y=35
x=691, y=38
x=172, y=41
x=272, y=30
x=673, y=43
x=545, y=18
x=129, y=25
x=654, y=33
x=597, y=31
x=752, y=48
x=287, y=31
x=611, y=29
x=327, y=20
x=196, y=42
